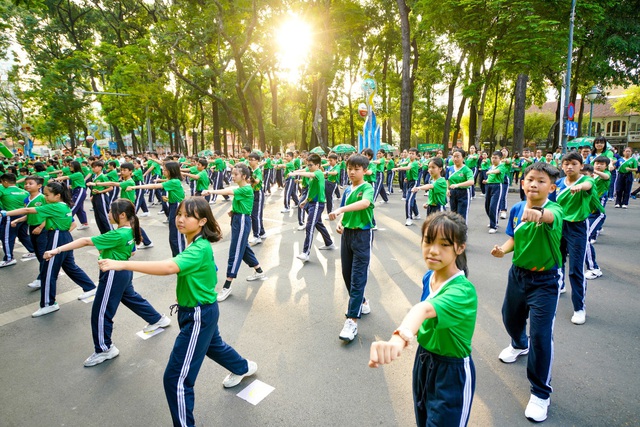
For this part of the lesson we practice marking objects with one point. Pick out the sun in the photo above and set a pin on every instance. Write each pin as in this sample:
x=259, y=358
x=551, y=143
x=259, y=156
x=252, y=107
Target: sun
x=294, y=40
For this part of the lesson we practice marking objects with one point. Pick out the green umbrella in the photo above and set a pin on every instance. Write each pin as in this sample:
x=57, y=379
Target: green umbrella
x=205, y=153
x=258, y=152
x=581, y=142
x=317, y=150
x=387, y=147
x=344, y=148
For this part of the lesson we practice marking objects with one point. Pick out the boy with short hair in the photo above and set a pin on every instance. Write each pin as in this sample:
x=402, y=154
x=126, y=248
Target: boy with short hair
x=493, y=187
x=533, y=283
x=332, y=172
x=410, y=181
x=357, y=237
x=574, y=193
x=290, y=182
x=257, y=224
x=38, y=236
x=598, y=171
x=315, y=200
x=100, y=197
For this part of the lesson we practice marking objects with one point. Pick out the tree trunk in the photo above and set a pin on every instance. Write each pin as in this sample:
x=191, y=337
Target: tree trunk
x=385, y=106
x=456, y=129
x=580, y=115
x=352, y=128
x=202, y=138
x=303, y=138
x=518, y=112
x=118, y=138
x=506, y=130
x=225, y=145
x=492, y=135
x=473, y=121
x=446, y=131
x=405, y=98
x=273, y=84
x=324, y=126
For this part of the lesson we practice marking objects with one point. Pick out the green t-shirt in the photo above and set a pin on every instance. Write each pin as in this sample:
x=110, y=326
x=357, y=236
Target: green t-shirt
x=630, y=163
x=602, y=185
x=471, y=161
x=175, y=192
x=288, y=168
x=257, y=178
x=268, y=163
x=449, y=334
x=45, y=176
x=497, y=178
x=77, y=180
x=390, y=164
x=461, y=175
x=524, y=164
x=371, y=178
x=242, y=200
x=58, y=216
x=362, y=219
x=12, y=198
x=113, y=175
x=219, y=164
x=578, y=206
x=98, y=179
x=35, y=219
x=198, y=277
x=115, y=244
x=536, y=247
x=381, y=165
x=485, y=165
x=336, y=177
x=126, y=193
x=412, y=172
x=137, y=176
x=202, y=181
x=438, y=194
x=316, y=188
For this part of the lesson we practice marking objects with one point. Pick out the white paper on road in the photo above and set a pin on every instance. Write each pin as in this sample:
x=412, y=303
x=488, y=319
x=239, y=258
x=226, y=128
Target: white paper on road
x=145, y=336
x=255, y=392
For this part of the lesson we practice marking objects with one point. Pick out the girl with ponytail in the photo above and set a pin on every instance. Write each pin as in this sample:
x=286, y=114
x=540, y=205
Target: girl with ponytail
x=115, y=286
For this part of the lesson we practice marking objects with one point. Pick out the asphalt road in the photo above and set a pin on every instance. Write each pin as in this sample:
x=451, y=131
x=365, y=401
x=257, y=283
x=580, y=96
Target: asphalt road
x=289, y=325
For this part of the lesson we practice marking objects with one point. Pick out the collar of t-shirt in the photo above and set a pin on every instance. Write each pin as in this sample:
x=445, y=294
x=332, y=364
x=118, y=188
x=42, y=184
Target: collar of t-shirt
x=433, y=293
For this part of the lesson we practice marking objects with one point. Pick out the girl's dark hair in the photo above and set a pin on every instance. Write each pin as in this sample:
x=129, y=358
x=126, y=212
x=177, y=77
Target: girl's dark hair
x=58, y=188
x=438, y=162
x=367, y=152
x=599, y=140
x=128, y=166
x=76, y=166
x=314, y=158
x=39, y=167
x=459, y=150
x=173, y=170
x=452, y=227
x=244, y=171
x=125, y=206
x=198, y=207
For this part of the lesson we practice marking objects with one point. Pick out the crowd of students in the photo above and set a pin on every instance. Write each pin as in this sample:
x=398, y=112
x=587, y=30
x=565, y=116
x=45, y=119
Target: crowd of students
x=562, y=209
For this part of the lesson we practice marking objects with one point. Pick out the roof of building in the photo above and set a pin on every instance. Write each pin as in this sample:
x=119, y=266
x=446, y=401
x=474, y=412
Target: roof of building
x=599, y=109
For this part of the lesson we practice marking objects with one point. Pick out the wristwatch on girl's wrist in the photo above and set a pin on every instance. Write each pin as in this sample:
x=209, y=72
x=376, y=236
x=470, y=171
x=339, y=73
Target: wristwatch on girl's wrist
x=405, y=334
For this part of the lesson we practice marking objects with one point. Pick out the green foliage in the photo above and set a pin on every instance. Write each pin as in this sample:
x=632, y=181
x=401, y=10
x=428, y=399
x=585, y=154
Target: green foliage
x=631, y=102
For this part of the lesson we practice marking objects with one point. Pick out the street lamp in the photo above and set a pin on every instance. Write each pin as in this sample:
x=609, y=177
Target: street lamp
x=591, y=96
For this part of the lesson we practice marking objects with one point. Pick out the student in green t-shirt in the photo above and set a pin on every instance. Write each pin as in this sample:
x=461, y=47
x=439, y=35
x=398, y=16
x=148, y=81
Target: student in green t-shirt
x=11, y=198
x=444, y=322
x=239, y=249
x=198, y=310
x=412, y=171
x=257, y=223
x=390, y=164
x=628, y=166
x=175, y=194
x=460, y=181
x=314, y=205
x=200, y=178
x=356, y=228
x=115, y=286
x=138, y=178
x=494, y=183
x=58, y=223
x=78, y=192
x=601, y=177
x=485, y=164
x=332, y=175
x=437, y=187
x=535, y=230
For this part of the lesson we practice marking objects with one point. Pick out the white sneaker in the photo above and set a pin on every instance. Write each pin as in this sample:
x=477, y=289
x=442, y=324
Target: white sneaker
x=624, y=206
x=82, y=227
x=503, y=215
x=492, y=231
x=302, y=256
x=166, y=221
x=593, y=274
x=98, y=358
x=563, y=290
x=592, y=241
x=224, y=294
x=162, y=323
x=366, y=308
x=35, y=285
x=143, y=246
x=30, y=255
x=330, y=247
x=404, y=199
x=510, y=354
x=46, y=310
x=537, y=409
x=349, y=330
x=233, y=380
x=255, y=241
x=579, y=317
x=7, y=263
x=302, y=227
x=408, y=222
x=417, y=217
x=257, y=276
x=161, y=212
x=87, y=294
x=616, y=206
x=143, y=214
x=285, y=211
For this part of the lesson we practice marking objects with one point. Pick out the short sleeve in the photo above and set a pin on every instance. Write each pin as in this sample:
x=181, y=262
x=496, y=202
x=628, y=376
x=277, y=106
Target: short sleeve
x=107, y=241
x=188, y=260
x=453, y=305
